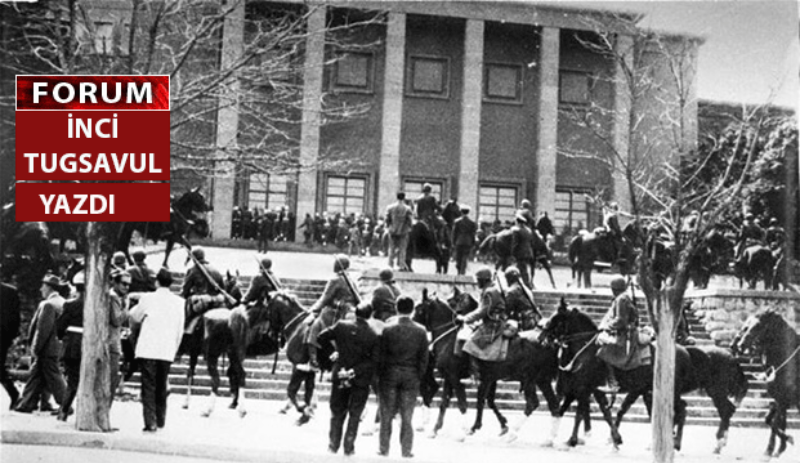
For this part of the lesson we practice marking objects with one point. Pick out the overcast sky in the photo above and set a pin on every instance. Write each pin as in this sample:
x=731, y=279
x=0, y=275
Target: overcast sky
x=751, y=50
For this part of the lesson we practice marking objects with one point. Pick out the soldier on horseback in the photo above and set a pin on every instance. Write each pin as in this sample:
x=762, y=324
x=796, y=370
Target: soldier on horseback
x=337, y=302
x=384, y=297
x=427, y=207
x=262, y=284
x=618, y=332
x=519, y=302
x=201, y=287
x=491, y=313
x=750, y=234
x=522, y=247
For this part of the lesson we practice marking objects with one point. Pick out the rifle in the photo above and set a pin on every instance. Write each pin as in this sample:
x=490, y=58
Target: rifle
x=350, y=284
x=268, y=275
x=228, y=298
x=529, y=296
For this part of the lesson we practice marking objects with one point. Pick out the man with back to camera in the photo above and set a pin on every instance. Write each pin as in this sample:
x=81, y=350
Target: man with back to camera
x=69, y=329
x=464, y=230
x=398, y=223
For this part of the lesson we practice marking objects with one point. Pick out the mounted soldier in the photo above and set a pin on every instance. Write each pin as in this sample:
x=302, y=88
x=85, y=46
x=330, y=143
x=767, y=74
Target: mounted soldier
x=202, y=288
x=520, y=306
x=619, y=333
x=751, y=234
x=491, y=312
x=526, y=210
x=384, y=297
x=337, y=302
x=522, y=246
x=775, y=235
x=262, y=284
x=427, y=206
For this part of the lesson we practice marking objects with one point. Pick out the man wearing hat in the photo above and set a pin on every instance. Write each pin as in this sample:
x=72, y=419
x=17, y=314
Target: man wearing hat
x=775, y=235
x=143, y=280
x=263, y=283
x=522, y=246
x=117, y=319
x=491, y=312
x=384, y=297
x=427, y=206
x=45, y=374
x=353, y=371
x=619, y=332
x=526, y=210
x=750, y=234
x=69, y=329
x=398, y=222
x=118, y=261
x=464, y=230
x=196, y=283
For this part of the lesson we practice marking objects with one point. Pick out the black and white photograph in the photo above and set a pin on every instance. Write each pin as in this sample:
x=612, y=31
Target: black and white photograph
x=442, y=231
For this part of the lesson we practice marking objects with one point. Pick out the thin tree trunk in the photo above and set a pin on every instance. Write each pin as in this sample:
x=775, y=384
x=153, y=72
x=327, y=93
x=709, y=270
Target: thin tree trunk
x=790, y=211
x=94, y=391
x=664, y=382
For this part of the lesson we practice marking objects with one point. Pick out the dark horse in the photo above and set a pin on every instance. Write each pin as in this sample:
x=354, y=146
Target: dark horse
x=500, y=244
x=713, y=255
x=424, y=241
x=583, y=372
x=585, y=249
x=755, y=264
x=769, y=335
x=185, y=218
x=527, y=361
x=212, y=336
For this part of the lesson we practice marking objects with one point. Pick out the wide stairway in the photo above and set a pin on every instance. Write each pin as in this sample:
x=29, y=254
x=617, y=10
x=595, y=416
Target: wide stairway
x=262, y=384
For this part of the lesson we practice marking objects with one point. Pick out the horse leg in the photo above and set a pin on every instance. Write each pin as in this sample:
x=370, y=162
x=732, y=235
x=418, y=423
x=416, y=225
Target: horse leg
x=587, y=277
x=549, y=273
x=309, y=379
x=568, y=399
x=725, y=409
x=213, y=371
x=237, y=378
x=781, y=422
x=605, y=408
x=680, y=421
x=483, y=390
x=492, y=393
x=190, y=379
x=447, y=392
x=167, y=252
x=630, y=399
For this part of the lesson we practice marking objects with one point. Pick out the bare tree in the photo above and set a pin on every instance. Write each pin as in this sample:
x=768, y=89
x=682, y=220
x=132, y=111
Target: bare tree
x=654, y=76
x=182, y=39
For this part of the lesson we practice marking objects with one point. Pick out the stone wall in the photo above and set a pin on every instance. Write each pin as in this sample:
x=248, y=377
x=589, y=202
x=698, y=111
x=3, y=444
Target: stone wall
x=412, y=284
x=723, y=311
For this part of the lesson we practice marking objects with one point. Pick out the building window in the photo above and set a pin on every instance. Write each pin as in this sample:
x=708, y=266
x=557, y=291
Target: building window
x=413, y=188
x=575, y=87
x=503, y=83
x=497, y=203
x=345, y=194
x=354, y=72
x=574, y=211
x=267, y=191
x=429, y=77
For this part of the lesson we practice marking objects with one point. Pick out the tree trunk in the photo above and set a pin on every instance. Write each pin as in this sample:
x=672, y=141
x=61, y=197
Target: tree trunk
x=664, y=381
x=94, y=391
x=790, y=211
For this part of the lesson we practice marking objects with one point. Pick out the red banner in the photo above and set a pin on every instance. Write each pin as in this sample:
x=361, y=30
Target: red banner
x=92, y=145
x=75, y=92
x=93, y=202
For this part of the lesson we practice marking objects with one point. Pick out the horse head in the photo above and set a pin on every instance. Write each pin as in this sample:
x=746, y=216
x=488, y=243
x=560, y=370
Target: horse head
x=231, y=286
x=462, y=302
x=566, y=322
x=285, y=312
x=759, y=332
x=432, y=312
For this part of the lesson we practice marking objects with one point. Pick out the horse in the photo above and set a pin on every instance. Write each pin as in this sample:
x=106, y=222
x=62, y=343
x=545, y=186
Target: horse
x=582, y=373
x=528, y=361
x=208, y=336
x=769, y=335
x=499, y=244
x=586, y=248
x=712, y=257
x=755, y=264
x=427, y=241
x=185, y=219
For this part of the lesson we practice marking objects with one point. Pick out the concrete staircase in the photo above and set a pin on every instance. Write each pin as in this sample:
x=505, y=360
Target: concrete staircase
x=261, y=384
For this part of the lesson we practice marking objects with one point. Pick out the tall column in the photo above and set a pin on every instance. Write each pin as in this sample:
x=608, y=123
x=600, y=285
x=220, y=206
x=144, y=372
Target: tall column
x=622, y=113
x=312, y=107
x=389, y=173
x=471, y=115
x=227, y=125
x=546, y=148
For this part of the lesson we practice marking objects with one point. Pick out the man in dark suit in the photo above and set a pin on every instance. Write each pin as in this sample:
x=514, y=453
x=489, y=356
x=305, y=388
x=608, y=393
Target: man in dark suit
x=463, y=239
x=522, y=247
x=403, y=362
x=384, y=297
x=69, y=328
x=45, y=348
x=353, y=370
x=143, y=280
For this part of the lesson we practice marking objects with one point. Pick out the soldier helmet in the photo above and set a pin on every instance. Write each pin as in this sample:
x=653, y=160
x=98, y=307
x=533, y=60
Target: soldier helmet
x=426, y=188
x=341, y=262
x=618, y=284
x=79, y=278
x=265, y=262
x=465, y=209
x=483, y=274
x=138, y=255
x=386, y=275
x=364, y=310
x=118, y=259
x=526, y=204
x=773, y=221
x=512, y=274
x=199, y=253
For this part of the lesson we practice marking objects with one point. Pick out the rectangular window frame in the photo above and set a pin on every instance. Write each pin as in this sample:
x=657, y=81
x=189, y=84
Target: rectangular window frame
x=267, y=192
x=497, y=206
x=421, y=181
x=347, y=179
x=592, y=213
x=411, y=91
x=368, y=87
x=489, y=97
x=590, y=84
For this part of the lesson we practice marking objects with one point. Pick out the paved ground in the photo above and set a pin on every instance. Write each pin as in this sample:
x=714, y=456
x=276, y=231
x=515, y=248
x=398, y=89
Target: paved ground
x=265, y=435
x=319, y=266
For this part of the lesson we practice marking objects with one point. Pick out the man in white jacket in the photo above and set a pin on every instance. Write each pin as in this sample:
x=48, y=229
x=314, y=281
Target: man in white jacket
x=161, y=315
